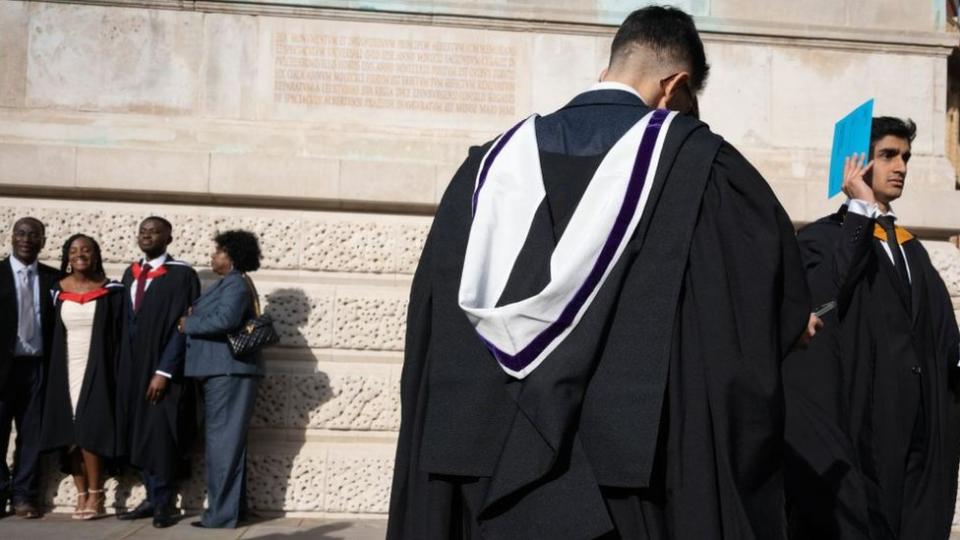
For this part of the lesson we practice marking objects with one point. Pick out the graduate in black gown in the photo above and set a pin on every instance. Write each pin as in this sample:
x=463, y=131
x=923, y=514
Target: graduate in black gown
x=655, y=410
x=871, y=414
x=79, y=412
x=156, y=402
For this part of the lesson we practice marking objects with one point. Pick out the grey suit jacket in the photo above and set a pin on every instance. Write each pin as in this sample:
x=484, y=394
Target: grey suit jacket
x=220, y=310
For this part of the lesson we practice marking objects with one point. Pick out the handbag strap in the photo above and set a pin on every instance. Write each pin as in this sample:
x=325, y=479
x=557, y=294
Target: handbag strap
x=253, y=292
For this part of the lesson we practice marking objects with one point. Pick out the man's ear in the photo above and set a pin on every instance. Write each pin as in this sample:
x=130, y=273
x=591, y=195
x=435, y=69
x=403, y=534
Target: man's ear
x=603, y=75
x=676, y=85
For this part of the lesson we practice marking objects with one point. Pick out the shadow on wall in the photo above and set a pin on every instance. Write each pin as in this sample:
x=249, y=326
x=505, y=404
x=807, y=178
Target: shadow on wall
x=278, y=479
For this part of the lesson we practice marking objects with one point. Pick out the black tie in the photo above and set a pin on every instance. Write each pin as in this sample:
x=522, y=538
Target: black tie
x=886, y=222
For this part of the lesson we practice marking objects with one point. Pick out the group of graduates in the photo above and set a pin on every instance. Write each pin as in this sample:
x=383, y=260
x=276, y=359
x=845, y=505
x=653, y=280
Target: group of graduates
x=94, y=369
x=615, y=332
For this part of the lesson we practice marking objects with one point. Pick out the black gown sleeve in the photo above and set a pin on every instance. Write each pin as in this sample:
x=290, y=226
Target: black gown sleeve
x=835, y=262
x=417, y=504
x=744, y=304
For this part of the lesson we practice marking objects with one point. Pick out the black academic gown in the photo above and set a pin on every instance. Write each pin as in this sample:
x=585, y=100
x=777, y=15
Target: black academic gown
x=93, y=427
x=156, y=437
x=871, y=414
x=661, y=414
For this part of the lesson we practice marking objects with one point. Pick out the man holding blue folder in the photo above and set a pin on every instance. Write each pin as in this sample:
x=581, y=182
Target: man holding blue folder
x=871, y=420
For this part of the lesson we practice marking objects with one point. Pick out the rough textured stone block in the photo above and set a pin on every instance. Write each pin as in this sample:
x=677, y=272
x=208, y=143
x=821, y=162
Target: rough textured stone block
x=279, y=237
x=61, y=223
x=329, y=244
x=410, y=246
x=117, y=236
x=334, y=397
x=348, y=246
x=946, y=259
x=358, y=483
x=301, y=320
x=369, y=322
x=342, y=400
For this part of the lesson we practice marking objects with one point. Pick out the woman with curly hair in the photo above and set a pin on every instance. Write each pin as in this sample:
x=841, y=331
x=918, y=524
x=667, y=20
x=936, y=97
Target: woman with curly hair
x=229, y=384
x=78, y=413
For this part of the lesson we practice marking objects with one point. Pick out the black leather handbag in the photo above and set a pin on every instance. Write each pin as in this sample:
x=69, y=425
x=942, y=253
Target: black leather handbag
x=256, y=333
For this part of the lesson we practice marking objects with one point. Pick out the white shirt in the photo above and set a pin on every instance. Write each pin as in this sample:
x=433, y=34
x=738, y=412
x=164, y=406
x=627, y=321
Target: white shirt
x=34, y=347
x=613, y=85
x=154, y=264
x=858, y=206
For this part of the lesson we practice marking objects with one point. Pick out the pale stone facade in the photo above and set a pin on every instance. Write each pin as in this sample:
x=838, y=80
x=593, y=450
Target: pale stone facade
x=331, y=129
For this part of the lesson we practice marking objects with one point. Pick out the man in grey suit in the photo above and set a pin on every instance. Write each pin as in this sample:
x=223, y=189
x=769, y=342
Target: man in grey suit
x=229, y=383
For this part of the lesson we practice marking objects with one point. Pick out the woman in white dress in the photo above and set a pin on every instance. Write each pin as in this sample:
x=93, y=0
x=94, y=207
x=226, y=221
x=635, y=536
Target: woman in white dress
x=78, y=416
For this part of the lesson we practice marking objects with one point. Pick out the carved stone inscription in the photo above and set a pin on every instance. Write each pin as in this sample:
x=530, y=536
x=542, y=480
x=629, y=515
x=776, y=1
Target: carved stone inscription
x=417, y=75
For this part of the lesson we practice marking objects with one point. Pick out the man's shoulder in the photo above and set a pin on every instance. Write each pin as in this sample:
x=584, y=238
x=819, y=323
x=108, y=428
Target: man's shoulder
x=180, y=267
x=829, y=225
x=47, y=270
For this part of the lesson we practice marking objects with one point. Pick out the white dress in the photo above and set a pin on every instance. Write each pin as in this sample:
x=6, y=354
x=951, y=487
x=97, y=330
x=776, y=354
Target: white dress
x=78, y=320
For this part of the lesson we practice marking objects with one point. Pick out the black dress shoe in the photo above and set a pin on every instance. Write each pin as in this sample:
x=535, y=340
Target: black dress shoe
x=143, y=510
x=162, y=520
x=198, y=524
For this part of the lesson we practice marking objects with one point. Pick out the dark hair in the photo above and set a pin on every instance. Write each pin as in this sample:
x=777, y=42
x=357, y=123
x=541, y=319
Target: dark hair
x=97, y=261
x=166, y=223
x=35, y=221
x=888, y=125
x=669, y=32
x=242, y=247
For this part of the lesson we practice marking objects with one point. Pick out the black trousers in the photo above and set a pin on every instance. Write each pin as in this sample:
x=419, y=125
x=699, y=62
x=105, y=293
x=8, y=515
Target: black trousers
x=21, y=403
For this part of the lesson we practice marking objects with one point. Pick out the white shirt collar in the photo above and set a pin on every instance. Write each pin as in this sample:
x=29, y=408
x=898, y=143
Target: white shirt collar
x=878, y=212
x=156, y=263
x=17, y=265
x=613, y=85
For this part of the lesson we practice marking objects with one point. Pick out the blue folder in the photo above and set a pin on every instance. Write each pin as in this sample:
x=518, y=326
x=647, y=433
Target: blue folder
x=851, y=135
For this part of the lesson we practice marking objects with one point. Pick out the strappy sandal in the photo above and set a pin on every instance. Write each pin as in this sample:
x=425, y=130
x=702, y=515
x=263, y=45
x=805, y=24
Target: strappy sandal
x=81, y=505
x=96, y=505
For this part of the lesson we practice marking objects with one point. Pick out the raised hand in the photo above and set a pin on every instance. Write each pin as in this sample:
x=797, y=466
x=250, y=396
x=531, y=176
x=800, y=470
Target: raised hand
x=855, y=184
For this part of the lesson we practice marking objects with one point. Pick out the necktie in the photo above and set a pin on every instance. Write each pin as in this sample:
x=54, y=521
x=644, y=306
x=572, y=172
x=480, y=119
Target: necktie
x=27, y=315
x=141, y=287
x=886, y=222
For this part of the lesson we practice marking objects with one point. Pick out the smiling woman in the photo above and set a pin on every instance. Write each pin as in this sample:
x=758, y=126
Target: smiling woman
x=78, y=417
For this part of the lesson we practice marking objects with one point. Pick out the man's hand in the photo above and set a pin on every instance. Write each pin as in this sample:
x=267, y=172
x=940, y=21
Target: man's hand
x=855, y=185
x=157, y=388
x=813, y=324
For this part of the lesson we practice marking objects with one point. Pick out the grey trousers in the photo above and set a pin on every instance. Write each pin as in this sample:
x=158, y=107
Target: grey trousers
x=228, y=406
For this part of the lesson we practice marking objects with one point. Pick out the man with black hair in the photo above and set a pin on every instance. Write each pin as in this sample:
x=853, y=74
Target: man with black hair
x=612, y=371
x=871, y=423
x=26, y=331
x=155, y=401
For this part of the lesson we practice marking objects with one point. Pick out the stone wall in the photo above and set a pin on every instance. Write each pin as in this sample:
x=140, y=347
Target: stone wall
x=331, y=129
